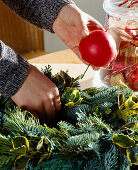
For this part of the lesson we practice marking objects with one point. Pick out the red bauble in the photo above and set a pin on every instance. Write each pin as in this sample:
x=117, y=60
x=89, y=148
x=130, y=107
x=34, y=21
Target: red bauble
x=98, y=49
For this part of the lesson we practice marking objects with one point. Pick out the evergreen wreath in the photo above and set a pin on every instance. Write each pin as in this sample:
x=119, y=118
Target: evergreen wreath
x=96, y=129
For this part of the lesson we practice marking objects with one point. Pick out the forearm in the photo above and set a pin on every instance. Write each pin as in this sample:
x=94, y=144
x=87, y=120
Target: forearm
x=13, y=71
x=41, y=13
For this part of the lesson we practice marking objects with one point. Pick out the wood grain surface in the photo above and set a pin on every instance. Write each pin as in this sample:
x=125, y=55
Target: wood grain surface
x=19, y=34
x=59, y=57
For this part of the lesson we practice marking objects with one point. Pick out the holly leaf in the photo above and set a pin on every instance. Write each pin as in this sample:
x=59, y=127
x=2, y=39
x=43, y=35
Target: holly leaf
x=40, y=146
x=21, y=161
x=130, y=125
x=19, y=151
x=120, y=100
x=45, y=156
x=123, y=141
x=132, y=154
x=32, y=145
x=19, y=141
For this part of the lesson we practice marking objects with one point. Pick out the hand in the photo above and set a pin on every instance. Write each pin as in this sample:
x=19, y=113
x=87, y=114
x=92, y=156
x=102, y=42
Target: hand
x=72, y=25
x=38, y=95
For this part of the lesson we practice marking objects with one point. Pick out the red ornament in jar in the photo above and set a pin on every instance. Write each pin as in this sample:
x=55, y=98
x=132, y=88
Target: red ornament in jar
x=122, y=24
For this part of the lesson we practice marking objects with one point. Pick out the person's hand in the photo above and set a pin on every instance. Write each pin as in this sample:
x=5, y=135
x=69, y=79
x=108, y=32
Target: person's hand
x=38, y=95
x=72, y=24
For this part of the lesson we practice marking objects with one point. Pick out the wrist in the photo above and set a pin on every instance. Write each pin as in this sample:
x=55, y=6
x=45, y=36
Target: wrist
x=64, y=13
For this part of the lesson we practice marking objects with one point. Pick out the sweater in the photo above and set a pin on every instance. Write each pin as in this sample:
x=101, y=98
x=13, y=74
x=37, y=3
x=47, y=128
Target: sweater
x=13, y=67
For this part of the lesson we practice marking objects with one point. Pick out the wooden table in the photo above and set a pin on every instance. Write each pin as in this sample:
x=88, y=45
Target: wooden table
x=60, y=57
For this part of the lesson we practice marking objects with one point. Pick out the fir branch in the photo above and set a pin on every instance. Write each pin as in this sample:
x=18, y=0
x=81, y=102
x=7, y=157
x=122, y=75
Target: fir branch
x=123, y=162
x=108, y=95
x=82, y=139
x=93, y=164
x=65, y=126
x=99, y=124
x=5, y=103
x=16, y=122
x=58, y=162
x=127, y=93
x=79, y=113
x=47, y=71
x=110, y=158
x=84, y=94
x=4, y=160
x=94, y=90
x=4, y=141
x=25, y=124
x=105, y=106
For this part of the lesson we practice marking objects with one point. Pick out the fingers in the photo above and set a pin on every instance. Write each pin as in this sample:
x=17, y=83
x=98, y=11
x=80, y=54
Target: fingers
x=45, y=110
x=50, y=111
x=93, y=27
x=52, y=104
x=84, y=29
x=93, y=24
x=57, y=103
x=95, y=68
x=35, y=108
x=88, y=26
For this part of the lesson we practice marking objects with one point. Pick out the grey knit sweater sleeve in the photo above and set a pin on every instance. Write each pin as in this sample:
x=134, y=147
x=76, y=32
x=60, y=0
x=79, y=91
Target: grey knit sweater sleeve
x=41, y=13
x=13, y=67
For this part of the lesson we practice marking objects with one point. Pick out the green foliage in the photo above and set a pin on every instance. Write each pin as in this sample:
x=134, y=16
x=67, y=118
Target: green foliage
x=6, y=155
x=93, y=164
x=62, y=80
x=18, y=122
x=21, y=161
x=110, y=158
x=5, y=104
x=128, y=108
x=108, y=95
x=123, y=162
x=58, y=162
x=126, y=91
x=99, y=124
x=79, y=113
x=132, y=154
x=82, y=139
x=71, y=97
x=106, y=98
x=20, y=150
x=5, y=144
x=94, y=90
x=123, y=141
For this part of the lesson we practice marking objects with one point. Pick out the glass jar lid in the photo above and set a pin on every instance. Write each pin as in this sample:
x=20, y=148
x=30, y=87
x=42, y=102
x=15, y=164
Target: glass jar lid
x=115, y=8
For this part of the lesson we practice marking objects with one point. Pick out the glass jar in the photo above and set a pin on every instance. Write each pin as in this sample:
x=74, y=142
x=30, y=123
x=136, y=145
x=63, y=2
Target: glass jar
x=122, y=24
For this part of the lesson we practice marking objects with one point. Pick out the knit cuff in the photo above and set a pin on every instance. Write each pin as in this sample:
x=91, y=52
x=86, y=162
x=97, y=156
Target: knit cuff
x=41, y=13
x=49, y=18
x=11, y=81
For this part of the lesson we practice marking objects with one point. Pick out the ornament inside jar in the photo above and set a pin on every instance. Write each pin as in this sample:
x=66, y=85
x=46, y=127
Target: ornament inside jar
x=122, y=24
